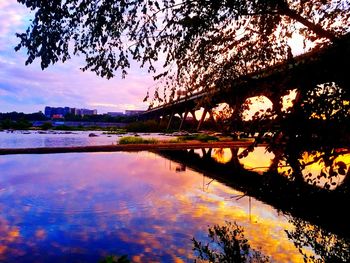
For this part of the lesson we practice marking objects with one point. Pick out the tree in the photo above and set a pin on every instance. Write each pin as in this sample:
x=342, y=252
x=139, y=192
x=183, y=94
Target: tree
x=227, y=244
x=206, y=43
x=328, y=247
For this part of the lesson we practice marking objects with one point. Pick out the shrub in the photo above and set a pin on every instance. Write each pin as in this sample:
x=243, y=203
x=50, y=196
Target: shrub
x=137, y=140
x=46, y=126
x=200, y=137
x=227, y=244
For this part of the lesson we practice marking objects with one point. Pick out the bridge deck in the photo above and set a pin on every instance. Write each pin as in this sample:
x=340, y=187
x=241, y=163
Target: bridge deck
x=321, y=65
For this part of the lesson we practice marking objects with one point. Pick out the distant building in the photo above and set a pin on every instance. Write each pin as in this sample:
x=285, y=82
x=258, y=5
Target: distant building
x=51, y=111
x=55, y=112
x=84, y=112
x=115, y=114
x=133, y=112
x=57, y=116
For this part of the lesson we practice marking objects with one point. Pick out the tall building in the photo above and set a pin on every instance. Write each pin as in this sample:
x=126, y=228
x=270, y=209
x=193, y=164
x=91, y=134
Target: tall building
x=87, y=112
x=60, y=112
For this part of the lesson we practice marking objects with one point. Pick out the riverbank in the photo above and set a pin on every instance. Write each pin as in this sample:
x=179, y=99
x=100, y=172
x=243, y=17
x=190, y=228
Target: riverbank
x=128, y=147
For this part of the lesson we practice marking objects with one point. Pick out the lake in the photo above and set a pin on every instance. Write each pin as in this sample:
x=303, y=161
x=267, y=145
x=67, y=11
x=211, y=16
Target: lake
x=82, y=207
x=32, y=139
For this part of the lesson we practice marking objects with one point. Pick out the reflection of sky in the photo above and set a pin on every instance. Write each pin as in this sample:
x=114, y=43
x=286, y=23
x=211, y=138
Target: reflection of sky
x=32, y=139
x=65, y=207
x=259, y=160
x=313, y=169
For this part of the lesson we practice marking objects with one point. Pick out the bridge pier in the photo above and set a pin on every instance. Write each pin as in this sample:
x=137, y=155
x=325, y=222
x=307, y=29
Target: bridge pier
x=206, y=154
x=276, y=100
x=234, y=159
x=236, y=106
x=202, y=118
x=211, y=116
x=170, y=119
x=183, y=118
x=193, y=113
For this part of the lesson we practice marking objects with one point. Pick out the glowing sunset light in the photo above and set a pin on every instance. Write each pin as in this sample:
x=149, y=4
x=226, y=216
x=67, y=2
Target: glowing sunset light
x=222, y=155
x=259, y=160
x=115, y=193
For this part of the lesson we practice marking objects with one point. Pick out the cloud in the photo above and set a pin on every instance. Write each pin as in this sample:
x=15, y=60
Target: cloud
x=13, y=17
x=29, y=89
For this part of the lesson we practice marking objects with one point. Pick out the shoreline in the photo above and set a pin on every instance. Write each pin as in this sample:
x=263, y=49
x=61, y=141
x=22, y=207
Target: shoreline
x=127, y=147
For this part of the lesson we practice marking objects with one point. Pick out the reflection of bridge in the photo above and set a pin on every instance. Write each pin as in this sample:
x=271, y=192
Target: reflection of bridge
x=329, y=64
x=285, y=195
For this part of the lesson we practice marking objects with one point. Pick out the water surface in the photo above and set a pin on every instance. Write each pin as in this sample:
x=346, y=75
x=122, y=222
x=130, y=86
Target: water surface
x=81, y=207
x=33, y=139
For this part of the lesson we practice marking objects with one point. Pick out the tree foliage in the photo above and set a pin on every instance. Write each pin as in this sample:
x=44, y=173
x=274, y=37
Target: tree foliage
x=228, y=244
x=328, y=247
x=202, y=43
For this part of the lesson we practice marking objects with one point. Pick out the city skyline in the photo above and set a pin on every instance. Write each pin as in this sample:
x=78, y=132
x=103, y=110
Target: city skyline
x=29, y=89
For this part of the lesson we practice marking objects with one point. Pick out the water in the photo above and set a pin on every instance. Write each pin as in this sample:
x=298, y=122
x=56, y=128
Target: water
x=82, y=207
x=32, y=139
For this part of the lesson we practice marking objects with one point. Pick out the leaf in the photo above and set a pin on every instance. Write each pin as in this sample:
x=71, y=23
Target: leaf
x=341, y=168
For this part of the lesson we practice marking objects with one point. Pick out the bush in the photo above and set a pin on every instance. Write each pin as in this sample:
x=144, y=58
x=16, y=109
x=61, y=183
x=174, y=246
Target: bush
x=227, y=244
x=115, y=131
x=200, y=137
x=144, y=126
x=137, y=140
x=64, y=128
x=46, y=126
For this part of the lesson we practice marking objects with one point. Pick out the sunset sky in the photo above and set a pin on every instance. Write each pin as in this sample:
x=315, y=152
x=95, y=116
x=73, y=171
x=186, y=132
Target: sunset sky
x=29, y=89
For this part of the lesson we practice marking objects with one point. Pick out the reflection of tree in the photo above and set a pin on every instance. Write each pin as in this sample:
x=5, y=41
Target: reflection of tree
x=328, y=247
x=228, y=244
x=318, y=122
x=328, y=169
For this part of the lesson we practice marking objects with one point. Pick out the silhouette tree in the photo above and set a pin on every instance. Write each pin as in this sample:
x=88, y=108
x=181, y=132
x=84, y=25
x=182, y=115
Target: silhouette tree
x=327, y=246
x=228, y=244
x=205, y=44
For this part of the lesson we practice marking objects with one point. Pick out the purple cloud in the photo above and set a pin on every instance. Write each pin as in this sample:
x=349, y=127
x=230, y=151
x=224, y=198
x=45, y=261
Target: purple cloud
x=29, y=89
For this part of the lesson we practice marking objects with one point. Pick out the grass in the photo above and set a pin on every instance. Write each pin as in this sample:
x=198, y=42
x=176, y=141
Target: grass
x=202, y=137
x=137, y=140
x=115, y=132
x=177, y=140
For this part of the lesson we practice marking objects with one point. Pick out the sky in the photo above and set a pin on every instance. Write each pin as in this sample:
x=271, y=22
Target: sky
x=29, y=89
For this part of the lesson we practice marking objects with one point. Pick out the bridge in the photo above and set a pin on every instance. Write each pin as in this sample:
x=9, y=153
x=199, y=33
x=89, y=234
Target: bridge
x=329, y=64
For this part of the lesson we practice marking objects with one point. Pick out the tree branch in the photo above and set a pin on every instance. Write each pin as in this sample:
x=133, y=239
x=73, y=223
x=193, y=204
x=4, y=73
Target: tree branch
x=321, y=32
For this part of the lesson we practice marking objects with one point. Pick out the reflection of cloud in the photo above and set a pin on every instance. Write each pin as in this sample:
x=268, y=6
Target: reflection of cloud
x=8, y=235
x=313, y=170
x=40, y=234
x=222, y=155
x=126, y=203
x=259, y=160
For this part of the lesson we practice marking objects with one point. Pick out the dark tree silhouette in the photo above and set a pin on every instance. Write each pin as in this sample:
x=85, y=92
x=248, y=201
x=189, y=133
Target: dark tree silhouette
x=205, y=43
x=227, y=245
x=327, y=246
